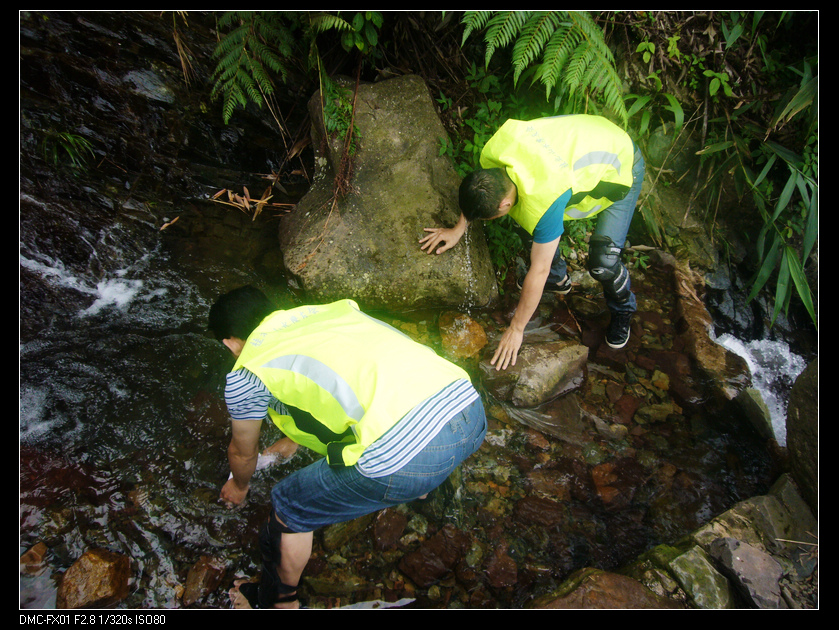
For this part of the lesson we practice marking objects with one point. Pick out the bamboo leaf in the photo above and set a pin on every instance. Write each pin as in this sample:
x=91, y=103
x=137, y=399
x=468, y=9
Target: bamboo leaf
x=716, y=148
x=802, y=99
x=676, y=108
x=766, y=269
x=785, y=196
x=812, y=228
x=782, y=287
x=799, y=279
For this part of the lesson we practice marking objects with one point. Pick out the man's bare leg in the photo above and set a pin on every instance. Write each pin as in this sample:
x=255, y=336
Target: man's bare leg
x=295, y=551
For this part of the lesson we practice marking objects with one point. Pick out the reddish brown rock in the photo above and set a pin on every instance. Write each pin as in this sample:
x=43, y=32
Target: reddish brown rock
x=501, y=570
x=595, y=589
x=388, y=528
x=538, y=511
x=436, y=558
x=99, y=579
x=462, y=337
x=204, y=577
x=625, y=408
x=32, y=562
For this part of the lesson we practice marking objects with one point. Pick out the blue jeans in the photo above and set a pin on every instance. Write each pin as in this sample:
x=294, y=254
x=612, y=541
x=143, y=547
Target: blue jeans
x=612, y=222
x=320, y=495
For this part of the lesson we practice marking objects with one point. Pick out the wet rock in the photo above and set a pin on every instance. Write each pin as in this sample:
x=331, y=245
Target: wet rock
x=616, y=481
x=501, y=569
x=364, y=244
x=32, y=561
x=625, y=408
x=542, y=371
x=562, y=418
x=753, y=572
x=336, y=582
x=727, y=372
x=436, y=558
x=554, y=484
x=596, y=589
x=803, y=433
x=388, y=528
x=462, y=336
x=656, y=413
x=699, y=578
x=99, y=579
x=751, y=402
x=773, y=529
x=339, y=534
x=203, y=578
x=539, y=511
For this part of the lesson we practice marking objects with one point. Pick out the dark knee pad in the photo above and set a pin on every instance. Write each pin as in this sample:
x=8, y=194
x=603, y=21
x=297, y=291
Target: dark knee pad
x=605, y=266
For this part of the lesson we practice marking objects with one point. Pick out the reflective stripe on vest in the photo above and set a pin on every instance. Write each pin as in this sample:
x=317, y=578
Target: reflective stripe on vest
x=325, y=377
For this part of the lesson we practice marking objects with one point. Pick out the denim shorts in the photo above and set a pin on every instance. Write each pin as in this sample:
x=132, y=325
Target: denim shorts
x=320, y=495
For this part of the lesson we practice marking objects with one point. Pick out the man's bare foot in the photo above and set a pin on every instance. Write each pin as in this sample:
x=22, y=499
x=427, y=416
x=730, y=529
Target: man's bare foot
x=240, y=601
x=283, y=448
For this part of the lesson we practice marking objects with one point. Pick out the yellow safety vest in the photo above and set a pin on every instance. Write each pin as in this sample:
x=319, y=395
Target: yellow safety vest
x=352, y=377
x=545, y=157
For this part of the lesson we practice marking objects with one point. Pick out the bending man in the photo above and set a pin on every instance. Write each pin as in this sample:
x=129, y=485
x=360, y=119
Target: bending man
x=390, y=417
x=541, y=173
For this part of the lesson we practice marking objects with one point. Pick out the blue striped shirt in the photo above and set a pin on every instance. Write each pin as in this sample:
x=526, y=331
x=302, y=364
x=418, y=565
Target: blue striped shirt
x=247, y=398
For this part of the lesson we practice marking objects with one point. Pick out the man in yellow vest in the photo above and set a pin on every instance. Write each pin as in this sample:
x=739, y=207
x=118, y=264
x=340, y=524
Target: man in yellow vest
x=542, y=172
x=390, y=417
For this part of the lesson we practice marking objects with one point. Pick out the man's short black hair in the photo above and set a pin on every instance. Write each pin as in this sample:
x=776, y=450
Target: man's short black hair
x=481, y=193
x=238, y=312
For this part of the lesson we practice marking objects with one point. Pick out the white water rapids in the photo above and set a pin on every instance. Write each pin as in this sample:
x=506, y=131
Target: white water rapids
x=774, y=369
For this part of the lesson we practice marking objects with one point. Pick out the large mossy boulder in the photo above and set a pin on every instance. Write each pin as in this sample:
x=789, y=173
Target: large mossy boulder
x=364, y=244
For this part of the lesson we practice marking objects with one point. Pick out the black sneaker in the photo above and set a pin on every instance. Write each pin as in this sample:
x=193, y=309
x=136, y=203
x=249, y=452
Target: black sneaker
x=618, y=332
x=563, y=287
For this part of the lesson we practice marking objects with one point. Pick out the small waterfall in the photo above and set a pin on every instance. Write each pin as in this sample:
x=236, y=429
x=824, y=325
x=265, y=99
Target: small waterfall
x=742, y=327
x=774, y=368
x=471, y=289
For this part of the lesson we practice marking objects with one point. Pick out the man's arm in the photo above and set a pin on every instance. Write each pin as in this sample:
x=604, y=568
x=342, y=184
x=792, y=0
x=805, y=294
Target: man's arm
x=242, y=455
x=541, y=258
x=448, y=236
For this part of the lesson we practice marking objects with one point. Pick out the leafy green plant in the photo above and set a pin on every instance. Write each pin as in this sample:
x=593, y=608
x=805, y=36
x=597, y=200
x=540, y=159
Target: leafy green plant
x=249, y=56
x=61, y=147
x=574, y=237
x=726, y=68
x=364, y=34
x=564, y=51
x=647, y=50
x=504, y=243
x=719, y=80
x=264, y=45
x=789, y=210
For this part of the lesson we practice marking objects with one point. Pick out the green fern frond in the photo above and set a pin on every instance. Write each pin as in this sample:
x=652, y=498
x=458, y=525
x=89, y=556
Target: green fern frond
x=473, y=21
x=534, y=35
x=559, y=48
x=503, y=28
x=247, y=55
x=322, y=22
x=566, y=48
